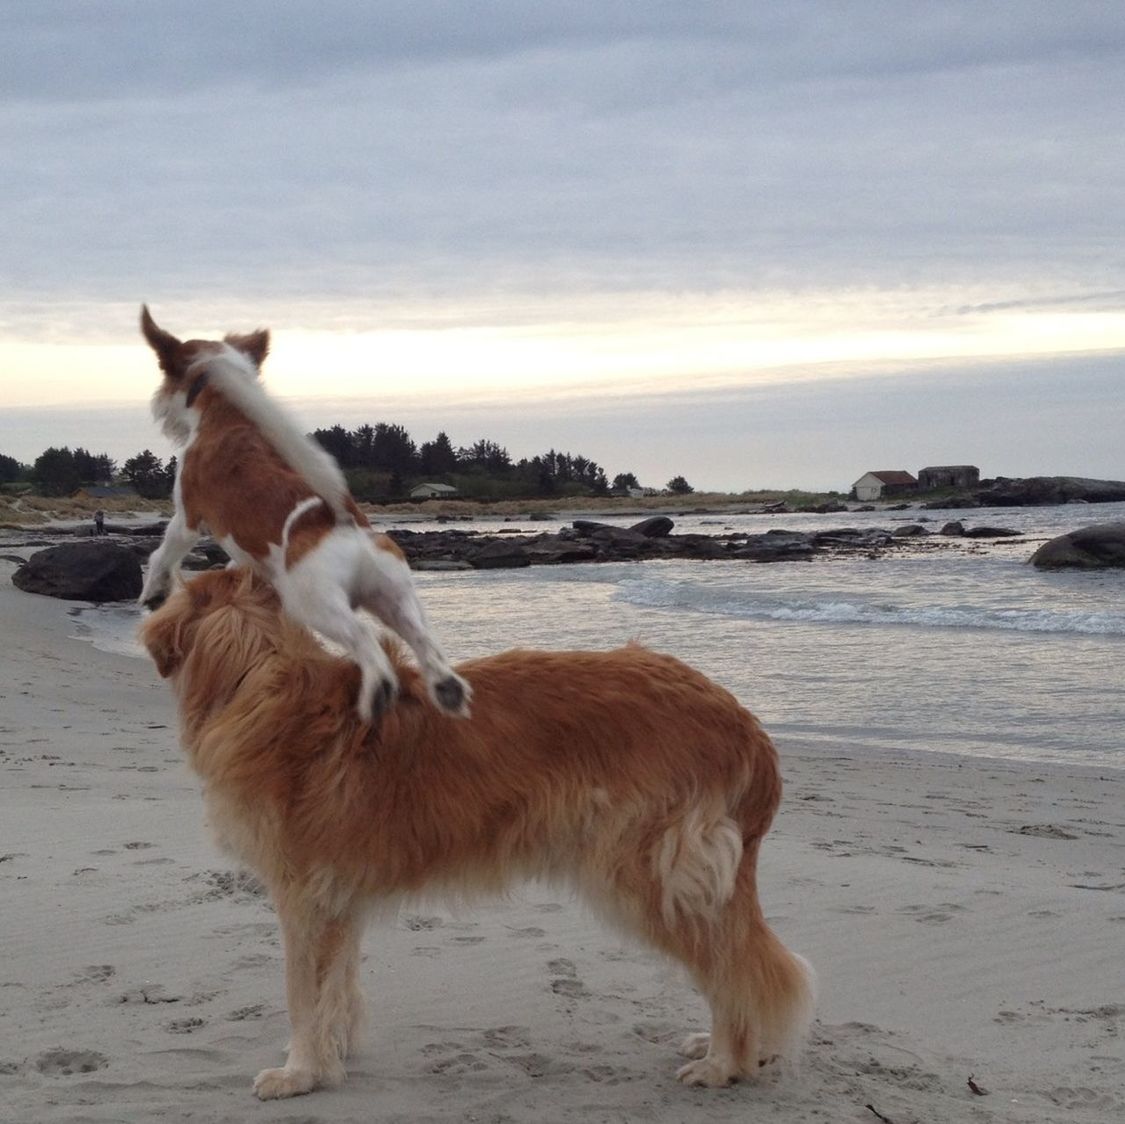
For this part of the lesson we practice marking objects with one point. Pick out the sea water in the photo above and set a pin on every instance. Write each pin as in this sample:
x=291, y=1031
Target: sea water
x=955, y=646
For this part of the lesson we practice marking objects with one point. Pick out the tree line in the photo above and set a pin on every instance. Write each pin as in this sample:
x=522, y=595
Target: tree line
x=62, y=471
x=382, y=463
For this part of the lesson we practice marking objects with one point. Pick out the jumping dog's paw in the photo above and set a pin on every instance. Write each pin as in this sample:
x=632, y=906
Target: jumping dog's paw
x=376, y=700
x=452, y=694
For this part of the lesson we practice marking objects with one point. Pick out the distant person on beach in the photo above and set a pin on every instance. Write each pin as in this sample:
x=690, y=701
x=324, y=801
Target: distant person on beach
x=99, y=522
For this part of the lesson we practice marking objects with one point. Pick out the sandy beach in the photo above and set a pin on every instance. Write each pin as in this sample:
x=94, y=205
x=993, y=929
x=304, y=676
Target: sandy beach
x=966, y=919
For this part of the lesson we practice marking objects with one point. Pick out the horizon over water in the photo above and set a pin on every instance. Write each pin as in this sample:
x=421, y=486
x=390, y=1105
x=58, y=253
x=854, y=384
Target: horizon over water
x=962, y=648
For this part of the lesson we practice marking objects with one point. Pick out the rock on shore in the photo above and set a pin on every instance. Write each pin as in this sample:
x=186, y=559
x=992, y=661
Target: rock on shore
x=98, y=572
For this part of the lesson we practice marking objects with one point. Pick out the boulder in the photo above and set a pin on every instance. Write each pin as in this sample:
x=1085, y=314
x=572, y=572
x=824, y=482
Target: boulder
x=692, y=546
x=97, y=571
x=502, y=554
x=555, y=550
x=1090, y=548
x=955, y=528
x=851, y=538
x=986, y=532
x=909, y=530
x=589, y=527
x=617, y=544
x=655, y=527
x=773, y=546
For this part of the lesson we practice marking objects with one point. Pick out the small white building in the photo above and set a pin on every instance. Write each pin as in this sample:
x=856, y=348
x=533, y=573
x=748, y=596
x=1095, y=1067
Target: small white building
x=881, y=485
x=433, y=492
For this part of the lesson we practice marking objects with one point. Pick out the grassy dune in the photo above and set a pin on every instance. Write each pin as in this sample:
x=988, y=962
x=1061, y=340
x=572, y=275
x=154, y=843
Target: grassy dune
x=30, y=510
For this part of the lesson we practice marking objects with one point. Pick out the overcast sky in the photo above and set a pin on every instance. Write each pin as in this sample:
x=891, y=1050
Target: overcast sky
x=756, y=244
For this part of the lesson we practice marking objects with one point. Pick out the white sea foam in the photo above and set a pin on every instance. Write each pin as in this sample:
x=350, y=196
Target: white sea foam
x=701, y=597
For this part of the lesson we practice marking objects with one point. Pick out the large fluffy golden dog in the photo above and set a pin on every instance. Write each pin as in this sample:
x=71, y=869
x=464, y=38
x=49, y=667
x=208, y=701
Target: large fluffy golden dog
x=625, y=774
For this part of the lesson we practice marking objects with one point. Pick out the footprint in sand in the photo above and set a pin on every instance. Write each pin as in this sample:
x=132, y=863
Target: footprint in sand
x=254, y=1011
x=528, y=931
x=660, y=1034
x=933, y=914
x=507, y=1037
x=566, y=982
x=459, y=1064
x=95, y=973
x=151, y=994
x=1081, y=1098
x=65, y=1063
x=418, y=924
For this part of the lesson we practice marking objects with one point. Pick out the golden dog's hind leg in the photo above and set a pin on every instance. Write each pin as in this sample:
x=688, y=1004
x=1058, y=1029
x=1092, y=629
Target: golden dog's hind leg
x=760, y=993
x=321, y=964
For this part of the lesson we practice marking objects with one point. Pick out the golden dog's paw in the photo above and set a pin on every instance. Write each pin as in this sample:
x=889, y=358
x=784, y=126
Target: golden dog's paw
x=695, y=1045
x=272, y=1084
x=706, y=1071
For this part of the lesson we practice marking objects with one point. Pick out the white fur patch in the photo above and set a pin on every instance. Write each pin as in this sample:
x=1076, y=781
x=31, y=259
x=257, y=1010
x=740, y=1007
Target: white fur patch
x=697, y=862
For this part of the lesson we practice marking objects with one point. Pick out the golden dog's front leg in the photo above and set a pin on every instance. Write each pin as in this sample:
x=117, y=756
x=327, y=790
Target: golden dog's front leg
x=320, y=967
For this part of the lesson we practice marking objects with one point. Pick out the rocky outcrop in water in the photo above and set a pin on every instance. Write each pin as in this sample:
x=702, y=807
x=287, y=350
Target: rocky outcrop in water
x=450, y=548
x=588, y=541
x=957, y=529
x=1036, y=491
x=1099, y=547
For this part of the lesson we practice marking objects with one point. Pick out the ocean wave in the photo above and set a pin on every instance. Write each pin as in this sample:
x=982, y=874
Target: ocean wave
x=688, y=597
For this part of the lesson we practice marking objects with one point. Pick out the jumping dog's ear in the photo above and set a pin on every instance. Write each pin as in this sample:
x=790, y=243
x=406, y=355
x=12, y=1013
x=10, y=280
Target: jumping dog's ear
x=162, y=635
x=254, y=345
x=166, y=346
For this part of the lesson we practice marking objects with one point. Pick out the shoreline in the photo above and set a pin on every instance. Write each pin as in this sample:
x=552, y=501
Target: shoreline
x=70, y=620
x=965, y=916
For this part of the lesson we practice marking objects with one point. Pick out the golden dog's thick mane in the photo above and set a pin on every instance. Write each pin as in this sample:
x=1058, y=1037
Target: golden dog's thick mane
x=230, y=650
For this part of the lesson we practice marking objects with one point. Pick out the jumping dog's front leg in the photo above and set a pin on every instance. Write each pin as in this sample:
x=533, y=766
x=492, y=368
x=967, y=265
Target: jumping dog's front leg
x=393, y=599
x=179, y=538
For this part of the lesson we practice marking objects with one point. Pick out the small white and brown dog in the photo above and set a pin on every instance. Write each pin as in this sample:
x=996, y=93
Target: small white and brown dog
x=277, y=502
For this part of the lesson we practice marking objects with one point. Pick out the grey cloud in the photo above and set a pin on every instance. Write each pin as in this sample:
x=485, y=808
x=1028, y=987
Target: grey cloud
x=375, y=151
x=63, y=49
x=1100, y=302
